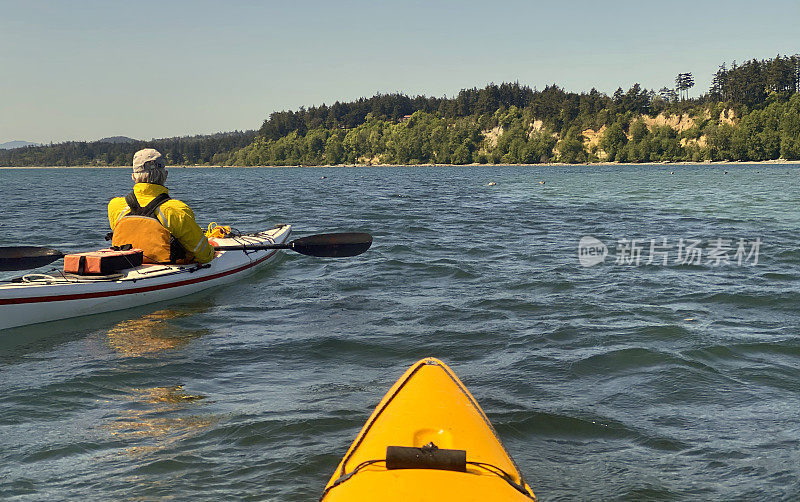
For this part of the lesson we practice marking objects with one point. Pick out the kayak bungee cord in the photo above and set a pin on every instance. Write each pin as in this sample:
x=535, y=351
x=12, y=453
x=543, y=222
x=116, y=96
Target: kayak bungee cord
x=493, y=469
x=503, y=474
x=429, y=406
x=429, y=456
x=238, y=237
x=399, y=388
x=352, y=473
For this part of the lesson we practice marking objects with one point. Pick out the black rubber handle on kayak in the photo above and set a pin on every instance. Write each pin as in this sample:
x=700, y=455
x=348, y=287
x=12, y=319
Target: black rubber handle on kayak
x=407, y=457
x=322, y=245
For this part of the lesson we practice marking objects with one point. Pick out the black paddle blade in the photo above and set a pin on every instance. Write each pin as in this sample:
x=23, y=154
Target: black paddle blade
x=26, y=257
x=332, y=245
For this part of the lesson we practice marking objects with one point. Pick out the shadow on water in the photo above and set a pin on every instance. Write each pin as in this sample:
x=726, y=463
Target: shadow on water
x=156, y=332
x=24, y=342
x=148, y=420
x=151, y=424
x=152, y=419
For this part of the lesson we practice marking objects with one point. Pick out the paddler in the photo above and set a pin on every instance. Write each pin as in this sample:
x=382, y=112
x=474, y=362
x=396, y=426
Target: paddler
x=147, y=218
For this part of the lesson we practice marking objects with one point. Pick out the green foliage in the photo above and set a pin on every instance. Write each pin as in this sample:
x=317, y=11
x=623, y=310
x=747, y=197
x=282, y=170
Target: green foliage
x=656, y=144
x=790, y=130
x=613, y=141
x=506, y=123
x=334, y=151
x=570, y=148
x=664, y=144
x=720, y=142
x=520, y=142
x=214, y=149
x=752, y=82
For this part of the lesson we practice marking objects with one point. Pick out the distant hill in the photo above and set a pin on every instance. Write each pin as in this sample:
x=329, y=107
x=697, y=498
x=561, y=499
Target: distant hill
x=209, y=149
x=117, y=139
x=16, y=144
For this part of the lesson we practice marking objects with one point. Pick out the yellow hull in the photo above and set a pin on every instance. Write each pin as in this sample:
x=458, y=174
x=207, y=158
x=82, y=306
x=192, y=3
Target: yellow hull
x=428, y=404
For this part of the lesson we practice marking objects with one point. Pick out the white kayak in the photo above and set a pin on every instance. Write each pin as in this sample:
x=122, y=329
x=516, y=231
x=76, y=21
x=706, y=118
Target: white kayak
x=36, y=298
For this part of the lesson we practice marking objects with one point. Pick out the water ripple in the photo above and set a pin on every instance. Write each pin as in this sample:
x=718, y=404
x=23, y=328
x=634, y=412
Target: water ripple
x=613, y=382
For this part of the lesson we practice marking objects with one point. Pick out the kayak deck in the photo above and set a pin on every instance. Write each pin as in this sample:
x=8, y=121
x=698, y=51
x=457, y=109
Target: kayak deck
x=428, y=408
x=38, y=298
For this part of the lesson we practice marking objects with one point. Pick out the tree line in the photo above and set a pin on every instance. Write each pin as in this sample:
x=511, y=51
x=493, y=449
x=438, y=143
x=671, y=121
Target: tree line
x=752, y=82
x=214, y=149
x=751, y=112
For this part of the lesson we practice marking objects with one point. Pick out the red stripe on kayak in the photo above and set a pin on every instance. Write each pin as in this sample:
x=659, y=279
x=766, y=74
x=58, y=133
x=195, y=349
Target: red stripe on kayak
x=101, y=294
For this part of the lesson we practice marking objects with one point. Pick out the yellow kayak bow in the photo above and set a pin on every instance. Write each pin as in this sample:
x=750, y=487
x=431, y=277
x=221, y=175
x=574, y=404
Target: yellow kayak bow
x=427, y=440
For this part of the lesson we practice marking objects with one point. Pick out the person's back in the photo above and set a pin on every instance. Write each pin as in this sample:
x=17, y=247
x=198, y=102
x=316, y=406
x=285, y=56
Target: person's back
x=147, y=218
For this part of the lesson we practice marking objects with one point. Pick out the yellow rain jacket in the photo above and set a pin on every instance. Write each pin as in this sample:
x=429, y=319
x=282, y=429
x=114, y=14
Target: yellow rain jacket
x=175, y=216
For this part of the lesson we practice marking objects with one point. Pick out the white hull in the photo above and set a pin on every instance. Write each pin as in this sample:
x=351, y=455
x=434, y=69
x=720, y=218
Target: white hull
x=50, y=298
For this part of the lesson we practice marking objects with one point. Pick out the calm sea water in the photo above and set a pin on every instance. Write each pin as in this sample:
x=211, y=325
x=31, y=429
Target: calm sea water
x=616, y=382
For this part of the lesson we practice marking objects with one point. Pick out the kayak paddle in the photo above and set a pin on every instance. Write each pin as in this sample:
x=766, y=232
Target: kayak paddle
x=25, y=257
x=322, y=245
x=339, y=245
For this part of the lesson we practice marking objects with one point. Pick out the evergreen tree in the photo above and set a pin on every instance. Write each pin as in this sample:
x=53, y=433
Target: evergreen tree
x=684, y=82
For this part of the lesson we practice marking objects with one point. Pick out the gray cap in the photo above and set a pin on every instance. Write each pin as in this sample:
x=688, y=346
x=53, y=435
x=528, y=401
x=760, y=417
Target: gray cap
x=147, y=160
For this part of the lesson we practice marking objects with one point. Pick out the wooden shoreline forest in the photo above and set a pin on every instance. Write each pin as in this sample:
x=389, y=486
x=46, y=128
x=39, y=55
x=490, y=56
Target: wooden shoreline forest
x=751, y=113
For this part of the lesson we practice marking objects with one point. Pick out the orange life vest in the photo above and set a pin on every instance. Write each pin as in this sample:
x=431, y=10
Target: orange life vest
x=141, y=229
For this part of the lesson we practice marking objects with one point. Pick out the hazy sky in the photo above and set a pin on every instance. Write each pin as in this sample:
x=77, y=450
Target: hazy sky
x=87, y=69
